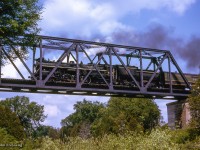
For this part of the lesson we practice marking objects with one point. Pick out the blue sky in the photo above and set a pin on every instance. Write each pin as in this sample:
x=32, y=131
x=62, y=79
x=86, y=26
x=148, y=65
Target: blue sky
x=164, y=24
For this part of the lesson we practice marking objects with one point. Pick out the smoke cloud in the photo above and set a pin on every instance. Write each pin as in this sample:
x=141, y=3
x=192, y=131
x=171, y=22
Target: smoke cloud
x=159, y=37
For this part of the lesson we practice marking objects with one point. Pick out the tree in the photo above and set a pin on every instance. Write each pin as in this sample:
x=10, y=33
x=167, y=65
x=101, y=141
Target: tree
x=118, y=116
x=6, y=138
x=30, y=114
x=194, y=103
x=18, y=25
x=127, y=114
x=11, y=123
x=78, y=123
x=47, y=131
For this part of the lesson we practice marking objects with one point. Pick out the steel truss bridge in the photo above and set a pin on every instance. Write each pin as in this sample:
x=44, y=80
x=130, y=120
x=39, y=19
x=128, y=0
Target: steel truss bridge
x=92, y=68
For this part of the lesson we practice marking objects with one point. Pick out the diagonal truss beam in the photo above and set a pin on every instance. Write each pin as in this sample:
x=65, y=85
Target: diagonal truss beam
x=159, y=66
x=126, y=68
x=179, y=70
x=13, y=63
x=61, y=58
x=27, y=68
x=85, y=53
x=95, y=66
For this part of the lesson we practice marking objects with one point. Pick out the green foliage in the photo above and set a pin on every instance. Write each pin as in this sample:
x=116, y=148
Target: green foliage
x=127, y=114
x=30, y=113
x=5, y=137
x=18, y=18
x=84, y=111
x=192, y=145
x=156, y=140
x=30, y=143
x=46, y=131
x=49, y=144
x=7, y=141
x=145, y=111
x=118, y=117
x=194, y=103
x=11, y=123
x=183, y=136
x=78, y=123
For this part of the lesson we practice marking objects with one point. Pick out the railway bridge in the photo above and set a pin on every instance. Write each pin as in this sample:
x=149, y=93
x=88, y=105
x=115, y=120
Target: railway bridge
x=68, y=66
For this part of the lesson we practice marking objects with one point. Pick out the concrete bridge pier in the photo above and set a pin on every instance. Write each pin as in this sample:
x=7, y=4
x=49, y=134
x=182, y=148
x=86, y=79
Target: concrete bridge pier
x=178, y=114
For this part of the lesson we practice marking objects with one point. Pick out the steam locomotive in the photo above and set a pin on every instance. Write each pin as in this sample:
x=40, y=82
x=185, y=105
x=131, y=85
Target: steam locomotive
x=66, y=73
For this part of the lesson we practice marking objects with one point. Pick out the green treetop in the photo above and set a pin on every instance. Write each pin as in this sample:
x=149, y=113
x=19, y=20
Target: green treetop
x=30, y=114
x=18, y=18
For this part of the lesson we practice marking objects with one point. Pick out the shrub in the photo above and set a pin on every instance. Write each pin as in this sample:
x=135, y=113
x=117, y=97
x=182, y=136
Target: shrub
x=7, y=141
x=157, y=139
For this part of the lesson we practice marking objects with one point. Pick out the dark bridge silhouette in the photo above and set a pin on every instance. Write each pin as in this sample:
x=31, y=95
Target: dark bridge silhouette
x=77, y=67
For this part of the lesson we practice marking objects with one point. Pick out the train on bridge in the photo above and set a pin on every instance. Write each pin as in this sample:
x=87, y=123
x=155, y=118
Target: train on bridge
x=106, y=70
x=66, y=74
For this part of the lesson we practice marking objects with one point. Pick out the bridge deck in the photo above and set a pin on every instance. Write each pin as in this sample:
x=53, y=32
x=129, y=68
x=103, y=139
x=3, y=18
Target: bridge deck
x=30, y=86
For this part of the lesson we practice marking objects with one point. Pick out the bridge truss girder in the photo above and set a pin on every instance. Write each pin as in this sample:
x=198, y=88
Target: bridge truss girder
x=94, y=55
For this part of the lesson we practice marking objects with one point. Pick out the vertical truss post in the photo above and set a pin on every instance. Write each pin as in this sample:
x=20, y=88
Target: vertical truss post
x=111, y=73
x=77, y=68
x=33, y=62
x=68, y=59
x=159, y=66
x=170, y=75
x=141, y=70
x=41, y=57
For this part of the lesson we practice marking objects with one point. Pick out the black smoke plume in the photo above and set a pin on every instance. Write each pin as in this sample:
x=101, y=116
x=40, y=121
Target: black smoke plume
x=157, y=36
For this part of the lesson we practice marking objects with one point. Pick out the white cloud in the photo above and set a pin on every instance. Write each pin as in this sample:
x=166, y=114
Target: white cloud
x=137, y=6
x=78, y=18
x=179, y=6
x=8, y=71
x=84, y=18
x=58, y=107
x=51, y=110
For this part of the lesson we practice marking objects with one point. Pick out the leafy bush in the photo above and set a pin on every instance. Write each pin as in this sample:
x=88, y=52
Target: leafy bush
x=183, y=136
x=32, y=143
x=11, y=123
x=195, y=144
x=157, y=139
x=5, y=137
x=8, y=141
x=180, y=136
